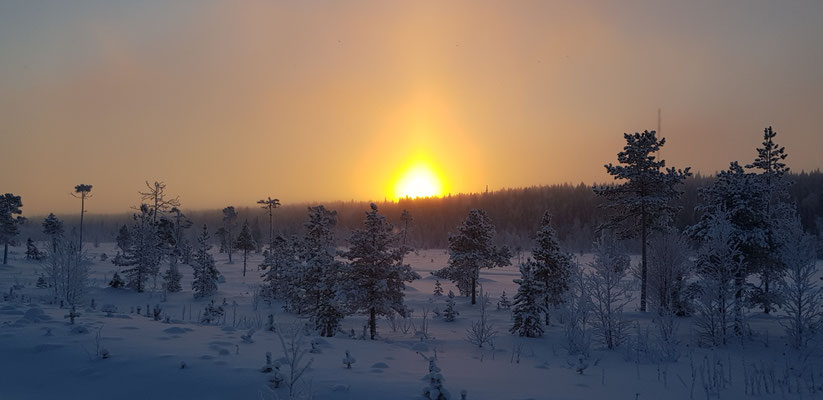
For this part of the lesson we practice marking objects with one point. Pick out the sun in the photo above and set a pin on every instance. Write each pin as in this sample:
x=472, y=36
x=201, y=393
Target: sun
x=418, y=180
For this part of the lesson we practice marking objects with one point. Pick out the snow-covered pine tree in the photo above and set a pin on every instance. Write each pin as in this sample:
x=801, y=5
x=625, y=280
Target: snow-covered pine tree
x=450, y=313
x=801, y=296
x=552, y=266
x=438, y=289
x=609, y=290
x=280, y=280
x=116, y=281
x=377, y=269
x=504, y=303
x=738, y=198
x=171, y=279
x=719, y=261
x=471, y=249
x=205, y=273
x=778, y=212
x=245, y=243
x=229, y=224
x=144, y=252
x=9, y=224
x=53, y=228
x=529, y=302
x=323, y=280
x=32, y=252
x=642, y=203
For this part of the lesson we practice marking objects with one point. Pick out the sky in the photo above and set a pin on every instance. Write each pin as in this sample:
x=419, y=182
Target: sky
x=231, y=102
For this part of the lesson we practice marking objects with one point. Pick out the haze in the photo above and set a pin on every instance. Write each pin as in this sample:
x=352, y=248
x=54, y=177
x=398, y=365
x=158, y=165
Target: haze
x=230, y=102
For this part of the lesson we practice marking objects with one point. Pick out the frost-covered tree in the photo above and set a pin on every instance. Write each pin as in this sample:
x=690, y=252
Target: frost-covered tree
x=609, y=290
x=157, y=200
x=323, y=279
x=9, y=224
x=182, y=248
x=552, y=266
x=205, y=273
x=471, y=249
x=450, y=313
x=229, y=224
x=245, y=243
x=529, y=302
x=269, y=204
x=482, y=331
x=32, y=252
x=719, y=261
x=123, y=239
x=777, y=212
x=802, y=296
x=171, y=279
x=643, y=202
x=737, y=198
x=670, y=268
x=280, y=274
x=53, y=228
x=504, y=303
x=435, y=389
x=144, y=253
x=82, y=192
x=66, y=271
x=377, y=270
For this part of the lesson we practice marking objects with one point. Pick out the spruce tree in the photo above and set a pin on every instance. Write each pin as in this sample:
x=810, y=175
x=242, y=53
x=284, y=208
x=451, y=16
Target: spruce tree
x=778, y=212
x=205, y=273
x=279, y=281
x=529, y=302
x=53, y=228
x=245, y=243
x=643, y=202
x=450, y=313
x=123, y=239
x=171, y=279
x=9, y=224
x=471, y=249
x=144, y=252
x=32, y=252
x=552, y=266
x=377, y=269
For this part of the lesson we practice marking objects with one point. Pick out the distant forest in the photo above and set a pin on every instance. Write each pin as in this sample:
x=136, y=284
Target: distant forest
x=515, y=212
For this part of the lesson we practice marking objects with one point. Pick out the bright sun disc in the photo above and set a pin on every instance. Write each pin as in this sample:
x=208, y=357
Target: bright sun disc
x=418, y=181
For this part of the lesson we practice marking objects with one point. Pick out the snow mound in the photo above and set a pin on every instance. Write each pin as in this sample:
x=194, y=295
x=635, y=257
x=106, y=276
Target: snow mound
x=380, y=365
x=79, y=330
x=34, y=315
x=175, y=330
x=420, y=346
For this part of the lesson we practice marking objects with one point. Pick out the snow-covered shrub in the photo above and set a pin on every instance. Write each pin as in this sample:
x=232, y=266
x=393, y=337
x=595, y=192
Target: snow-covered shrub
x=348, y=360
x=435, y=389
x=504, y=303
x=481, y=331
x=802, y=296
x=212, y=313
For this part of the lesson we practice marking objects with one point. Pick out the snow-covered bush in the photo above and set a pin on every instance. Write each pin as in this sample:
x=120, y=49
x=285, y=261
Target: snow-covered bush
x=529, y=303
x=435, y=389
x=450, y=313
x=609, y=290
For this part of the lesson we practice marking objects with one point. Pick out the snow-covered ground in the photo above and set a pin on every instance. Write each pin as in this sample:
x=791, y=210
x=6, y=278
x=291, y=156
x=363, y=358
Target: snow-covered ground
x=42, y=356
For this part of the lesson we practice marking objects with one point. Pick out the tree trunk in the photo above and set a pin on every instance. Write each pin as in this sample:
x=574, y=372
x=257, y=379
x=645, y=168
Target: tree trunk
x=643, y=270
x=766, y=302
x=474, y=288
x=82, y=211
x=6, y=254
x=245, y=255
x=372, y=322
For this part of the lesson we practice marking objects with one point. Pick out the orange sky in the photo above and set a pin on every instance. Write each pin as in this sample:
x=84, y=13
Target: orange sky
x=230, y=102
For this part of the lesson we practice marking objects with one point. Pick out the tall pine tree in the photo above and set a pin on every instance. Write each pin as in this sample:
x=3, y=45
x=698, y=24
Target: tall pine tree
x=9, y=224
x=643, y=202
x=245, y=243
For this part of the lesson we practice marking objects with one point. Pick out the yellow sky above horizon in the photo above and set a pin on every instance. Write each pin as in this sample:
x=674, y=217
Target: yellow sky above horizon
x=314, y=101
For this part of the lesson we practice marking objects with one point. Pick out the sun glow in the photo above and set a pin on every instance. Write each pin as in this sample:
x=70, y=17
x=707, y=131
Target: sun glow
x=418, y=180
